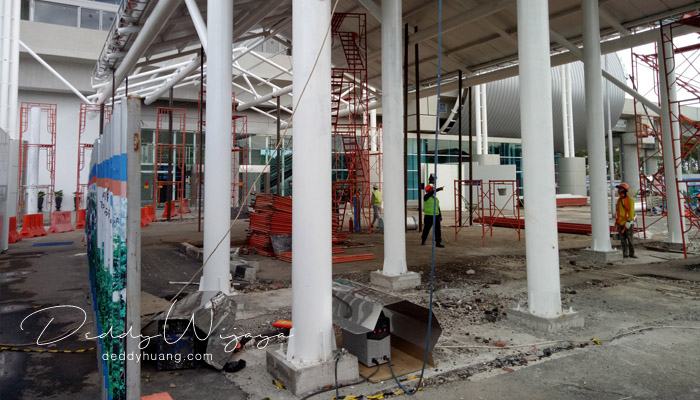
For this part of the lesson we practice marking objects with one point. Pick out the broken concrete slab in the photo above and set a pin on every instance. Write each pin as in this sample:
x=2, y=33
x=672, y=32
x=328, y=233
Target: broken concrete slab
x=409, y=280
x=568, y=320
x=302, y=379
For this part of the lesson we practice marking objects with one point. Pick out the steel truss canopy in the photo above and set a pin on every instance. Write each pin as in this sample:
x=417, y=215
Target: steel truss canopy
x=156, y=43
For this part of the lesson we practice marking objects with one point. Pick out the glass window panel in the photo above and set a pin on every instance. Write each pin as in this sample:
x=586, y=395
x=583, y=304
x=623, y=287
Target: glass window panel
x=89, y=19
x=108, y=1
x=58, y=14
x=107, y=20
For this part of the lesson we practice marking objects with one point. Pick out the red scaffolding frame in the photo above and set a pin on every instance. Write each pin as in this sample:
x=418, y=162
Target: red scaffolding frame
x=240, y=136
x=687, y=78
x=162, y=156
x=50, y=110
x=85, y=148
x=496, y=212
x=349, y=87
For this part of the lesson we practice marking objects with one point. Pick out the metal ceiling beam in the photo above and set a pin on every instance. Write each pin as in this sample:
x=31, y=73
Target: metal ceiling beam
x=607, y=17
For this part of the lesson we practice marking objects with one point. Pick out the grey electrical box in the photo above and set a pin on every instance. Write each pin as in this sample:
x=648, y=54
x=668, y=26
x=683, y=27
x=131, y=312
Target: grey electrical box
x=370, y=348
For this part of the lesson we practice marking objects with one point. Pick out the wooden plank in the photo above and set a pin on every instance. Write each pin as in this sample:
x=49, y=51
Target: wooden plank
x=151, y=304
x=402, y=363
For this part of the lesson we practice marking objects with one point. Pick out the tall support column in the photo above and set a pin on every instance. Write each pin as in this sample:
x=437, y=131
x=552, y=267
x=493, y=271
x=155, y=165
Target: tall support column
x=595, y=129
x=542, y=246
x=312, y=338
x=477, y=118
x=13, y=127
x=217, y=188
x=373, y=130
x=669, y=106
x=33, y=160
x=392, y=126
x=484, y=122
x=570, y=110
x=564, y=112
x=5, y=31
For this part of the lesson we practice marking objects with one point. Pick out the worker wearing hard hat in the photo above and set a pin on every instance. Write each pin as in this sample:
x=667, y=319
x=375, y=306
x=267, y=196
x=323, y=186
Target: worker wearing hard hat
x=376, y=201
x=624, y=219
x=431, y=210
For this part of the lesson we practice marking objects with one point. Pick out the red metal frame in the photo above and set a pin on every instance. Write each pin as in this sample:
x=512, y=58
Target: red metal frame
x=499, y=212
x=240, y=150
x=477, y=210
x=50, y=110
x=163, y=149
x=85, y=148
x=349, y=86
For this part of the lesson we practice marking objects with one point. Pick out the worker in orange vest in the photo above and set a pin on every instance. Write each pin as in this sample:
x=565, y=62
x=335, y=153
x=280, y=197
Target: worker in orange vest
x=624, y=220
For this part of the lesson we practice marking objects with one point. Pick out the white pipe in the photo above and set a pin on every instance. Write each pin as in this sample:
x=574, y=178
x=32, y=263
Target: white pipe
x=5, y=31
x=156, y=21
x=198, y=22
x=262, y=99
x=595, y=129
x=564, y=112
x=484, y=122
x=570, y=107
x=611, y=150
x=669, y=106
x=14, y=72
x=217, y=163
x=373, y=130
x=541, y=241
x=392, y=126
x=177, y=77
x=477, y=120
x=312, y=337
x=33, y=160
x=54, y=72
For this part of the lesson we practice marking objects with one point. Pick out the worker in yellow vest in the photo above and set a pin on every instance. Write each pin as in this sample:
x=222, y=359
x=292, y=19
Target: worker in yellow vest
x=624, y=219
x=376, y=203
x=431, y=209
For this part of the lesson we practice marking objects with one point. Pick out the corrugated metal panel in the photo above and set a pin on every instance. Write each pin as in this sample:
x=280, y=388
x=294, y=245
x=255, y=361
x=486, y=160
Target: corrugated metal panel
x=503, y=104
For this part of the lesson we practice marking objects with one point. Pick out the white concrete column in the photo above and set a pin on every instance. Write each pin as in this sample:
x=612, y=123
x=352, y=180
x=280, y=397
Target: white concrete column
x=595, y=130
x=5, y=31
x=669, y=106
x=630, y=165
x=392, y=126
x=34, y=129
x=477, y=119
x=570, y=112
x=312, y=338
x=484, y=122
x=541, y=241
x=564, y=112
x=13, y=127
x=373, y=130
x=217, y=163
x=651, y=165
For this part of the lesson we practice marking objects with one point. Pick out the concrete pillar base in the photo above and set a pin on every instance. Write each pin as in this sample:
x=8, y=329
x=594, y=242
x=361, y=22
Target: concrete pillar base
x=488, y=159
x=409, y=280
x=568, y=320
x=671, y=246
x=303, y=379
x=601, y=256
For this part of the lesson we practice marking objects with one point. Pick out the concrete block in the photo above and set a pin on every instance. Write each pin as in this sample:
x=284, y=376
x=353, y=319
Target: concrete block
x=569, y=319
x=192, y=251
x=671, y=246
x=601, y=256
x=409, y=280
x=302, y=379
x=244, y=269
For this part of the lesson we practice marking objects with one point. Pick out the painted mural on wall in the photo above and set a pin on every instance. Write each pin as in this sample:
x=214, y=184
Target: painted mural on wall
x=105, y=230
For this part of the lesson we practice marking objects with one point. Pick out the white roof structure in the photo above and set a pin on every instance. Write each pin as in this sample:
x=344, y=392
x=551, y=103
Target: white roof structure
x=157, y=43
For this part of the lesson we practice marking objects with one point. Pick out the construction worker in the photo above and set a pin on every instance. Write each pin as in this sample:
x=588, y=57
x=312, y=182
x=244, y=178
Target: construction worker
x=376, y=203
x=624, y=220
x=431, y=209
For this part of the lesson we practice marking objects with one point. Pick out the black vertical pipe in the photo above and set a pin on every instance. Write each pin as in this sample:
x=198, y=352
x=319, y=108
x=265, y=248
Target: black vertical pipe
x=471, y=158
x=459, y=162
x=126, y=88
x=418, y=141
x=102, y=118
x=199, y=139
x=279, y=147
x=169, y=187
x=114, y=89
x=405, y=126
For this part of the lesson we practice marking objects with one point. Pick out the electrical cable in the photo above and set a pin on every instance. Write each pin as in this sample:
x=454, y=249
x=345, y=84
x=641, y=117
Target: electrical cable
x=267, y=164
x=432, y=255
x=346, y=384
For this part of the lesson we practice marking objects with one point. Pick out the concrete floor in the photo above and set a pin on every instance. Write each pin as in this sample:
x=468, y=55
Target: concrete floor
x=658, y=289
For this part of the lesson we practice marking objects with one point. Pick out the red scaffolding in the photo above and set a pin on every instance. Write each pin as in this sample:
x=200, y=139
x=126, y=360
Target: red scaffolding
x=169, y=154
x=48, y=188
x=652, y=183
x=507, y=209
x=239, y=160
x=476, y=207
x=84, y=149
x=351, y=136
